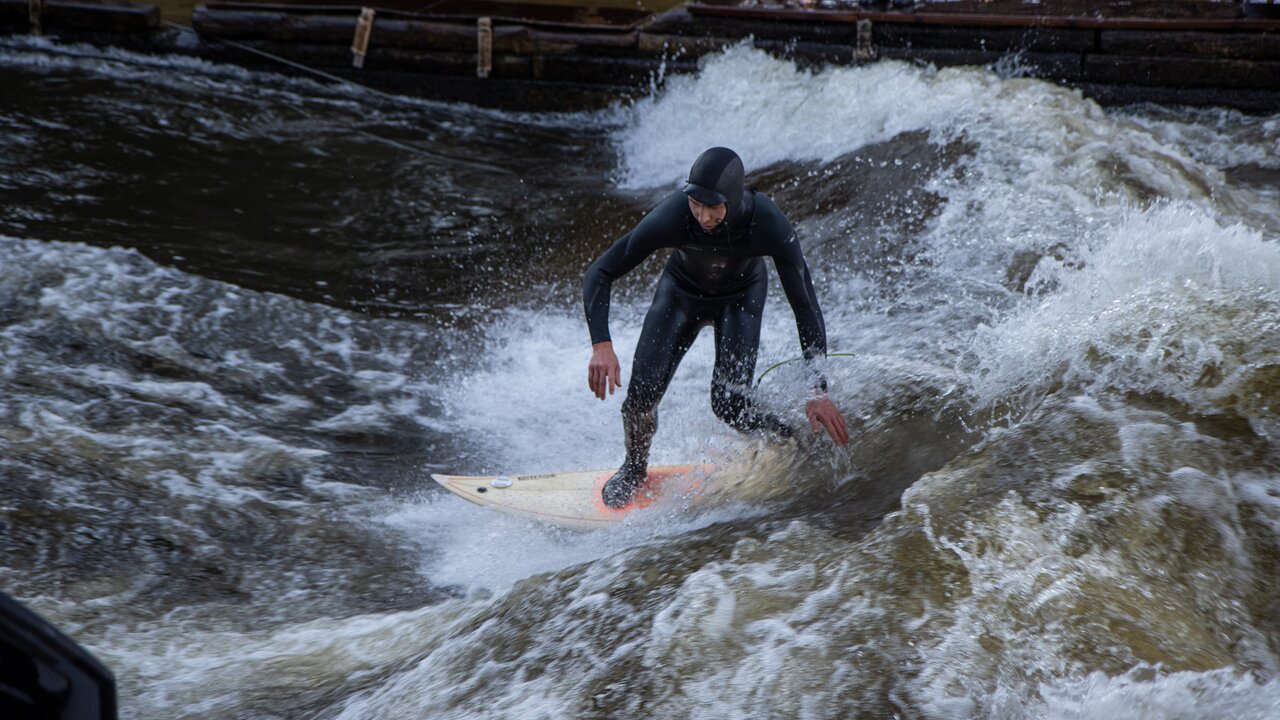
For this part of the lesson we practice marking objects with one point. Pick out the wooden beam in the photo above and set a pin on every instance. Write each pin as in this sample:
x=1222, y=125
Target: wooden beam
x=55, y=16
x=983, y=19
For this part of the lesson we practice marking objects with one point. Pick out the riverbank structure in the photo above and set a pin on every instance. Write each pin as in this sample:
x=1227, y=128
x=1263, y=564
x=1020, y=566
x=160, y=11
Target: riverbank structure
x=548, y=56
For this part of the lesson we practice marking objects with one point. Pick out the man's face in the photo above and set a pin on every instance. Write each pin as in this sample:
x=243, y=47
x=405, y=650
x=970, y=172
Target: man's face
x=708, y=216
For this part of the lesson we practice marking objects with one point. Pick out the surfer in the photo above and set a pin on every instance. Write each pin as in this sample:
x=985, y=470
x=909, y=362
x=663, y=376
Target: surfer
x=720, y=232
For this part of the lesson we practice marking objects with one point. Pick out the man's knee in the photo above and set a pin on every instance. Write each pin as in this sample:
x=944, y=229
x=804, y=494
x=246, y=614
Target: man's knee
x=736, y=408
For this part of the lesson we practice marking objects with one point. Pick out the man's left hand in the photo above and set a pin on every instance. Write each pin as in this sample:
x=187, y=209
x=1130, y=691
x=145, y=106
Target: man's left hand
x=824, y=414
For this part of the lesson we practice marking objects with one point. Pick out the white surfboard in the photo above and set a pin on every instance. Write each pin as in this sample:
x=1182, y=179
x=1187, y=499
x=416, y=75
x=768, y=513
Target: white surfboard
x=572, y=499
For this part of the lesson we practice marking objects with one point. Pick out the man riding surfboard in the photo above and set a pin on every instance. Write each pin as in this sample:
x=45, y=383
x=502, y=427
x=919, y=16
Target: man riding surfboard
x=720, y=232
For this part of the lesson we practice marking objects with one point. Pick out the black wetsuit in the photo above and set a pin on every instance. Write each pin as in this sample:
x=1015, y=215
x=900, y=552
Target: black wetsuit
x=717, y=279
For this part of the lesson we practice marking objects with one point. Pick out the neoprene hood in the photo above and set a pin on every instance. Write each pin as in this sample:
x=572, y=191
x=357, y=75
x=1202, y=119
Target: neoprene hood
x=717, y=178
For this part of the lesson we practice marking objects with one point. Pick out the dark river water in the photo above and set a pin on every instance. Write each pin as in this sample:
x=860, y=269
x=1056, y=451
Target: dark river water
x=243, y=318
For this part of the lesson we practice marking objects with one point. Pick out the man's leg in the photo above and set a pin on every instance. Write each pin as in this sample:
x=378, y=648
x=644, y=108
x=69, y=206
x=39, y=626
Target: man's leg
x=669, y=330
x=737, y=343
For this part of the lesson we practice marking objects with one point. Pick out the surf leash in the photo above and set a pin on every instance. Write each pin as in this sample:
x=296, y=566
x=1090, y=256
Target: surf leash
x=788, y=361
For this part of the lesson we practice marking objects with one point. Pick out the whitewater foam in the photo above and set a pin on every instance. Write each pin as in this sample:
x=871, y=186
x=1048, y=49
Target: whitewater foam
x=1161, y=302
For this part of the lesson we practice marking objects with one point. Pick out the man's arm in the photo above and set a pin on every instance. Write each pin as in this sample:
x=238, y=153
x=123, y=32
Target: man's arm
x=798, y=286
x=659, y=228
x=604, y=372
x=776, y=238
x=779, y=240
x=821, y=411
x=597, y=285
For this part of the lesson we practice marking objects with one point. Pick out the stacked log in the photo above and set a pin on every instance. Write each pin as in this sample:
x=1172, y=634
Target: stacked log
x=53, y=17
x=570, y=57
x=1194, y=61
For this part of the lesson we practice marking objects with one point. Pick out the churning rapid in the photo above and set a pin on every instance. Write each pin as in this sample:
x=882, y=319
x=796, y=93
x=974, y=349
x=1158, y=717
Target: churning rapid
x=243, y=317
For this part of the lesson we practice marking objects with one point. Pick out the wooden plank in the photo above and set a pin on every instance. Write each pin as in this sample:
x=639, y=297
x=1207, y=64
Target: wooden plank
x=1245, y=100
x=680, y=22
x=809, y=54
x=633, y=72
x=62, y=16
x=334, y=59
x=983, y=19
x=1247, y=46
x=1039, y=39
x=606, y=43
x=670, y=45
x=440, y=75
x=400, y=33
x=942, y=57
x=1167, y=9
x=1181, y=72
x=534, y=14
x=15, y=15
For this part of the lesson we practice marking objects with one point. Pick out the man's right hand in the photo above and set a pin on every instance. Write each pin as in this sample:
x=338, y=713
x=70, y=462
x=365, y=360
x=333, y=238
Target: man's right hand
x=823, y=413
x=603, y=372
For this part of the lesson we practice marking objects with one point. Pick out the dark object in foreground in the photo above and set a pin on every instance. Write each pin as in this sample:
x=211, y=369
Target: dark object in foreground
x=44, y=675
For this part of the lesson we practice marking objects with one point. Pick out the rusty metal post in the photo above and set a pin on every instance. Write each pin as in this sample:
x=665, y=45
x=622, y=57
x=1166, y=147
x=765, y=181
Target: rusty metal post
x=865, y=51
x=484, y=46
x=360, y=42
x=35, y=12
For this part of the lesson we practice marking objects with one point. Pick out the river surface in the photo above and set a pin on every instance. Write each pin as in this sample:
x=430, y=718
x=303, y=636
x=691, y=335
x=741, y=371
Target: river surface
x=243, y=318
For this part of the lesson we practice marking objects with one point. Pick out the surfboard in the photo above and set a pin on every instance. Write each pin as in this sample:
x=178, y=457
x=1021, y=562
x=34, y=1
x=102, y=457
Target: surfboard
x=572, y=499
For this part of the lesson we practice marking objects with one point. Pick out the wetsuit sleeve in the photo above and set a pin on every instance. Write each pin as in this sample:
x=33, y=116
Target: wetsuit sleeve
x=660, y=228
x=617, y=261
x=778, y=240
x=804, y=302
